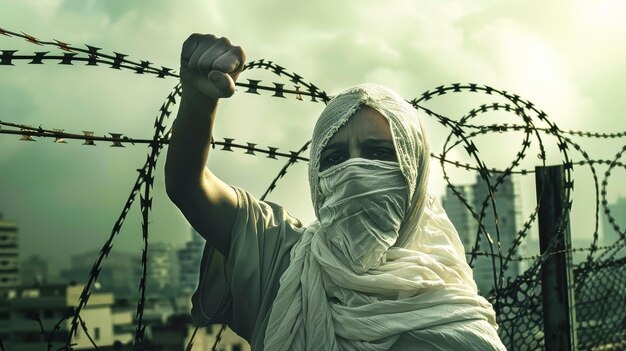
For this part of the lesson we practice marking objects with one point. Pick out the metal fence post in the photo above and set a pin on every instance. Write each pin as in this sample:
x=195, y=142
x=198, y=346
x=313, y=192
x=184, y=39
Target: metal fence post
x=559, y=317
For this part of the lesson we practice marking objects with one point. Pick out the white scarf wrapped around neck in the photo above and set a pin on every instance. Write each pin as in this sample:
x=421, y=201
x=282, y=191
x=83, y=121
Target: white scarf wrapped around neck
x=422, y=280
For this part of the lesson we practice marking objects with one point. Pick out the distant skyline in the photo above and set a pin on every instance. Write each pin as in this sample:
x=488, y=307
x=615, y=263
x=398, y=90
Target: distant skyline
x=565, y=56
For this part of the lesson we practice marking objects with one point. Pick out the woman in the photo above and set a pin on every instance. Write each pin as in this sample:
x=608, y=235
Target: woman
x=382, y=267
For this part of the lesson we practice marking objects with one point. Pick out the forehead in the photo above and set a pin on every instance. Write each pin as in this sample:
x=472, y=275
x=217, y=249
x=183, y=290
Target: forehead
x=365, y=122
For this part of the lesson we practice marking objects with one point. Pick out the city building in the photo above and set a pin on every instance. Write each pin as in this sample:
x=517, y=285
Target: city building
x=9, y=261
x=110, y=323
x=22, y=307
x=618, y=212
x=176, y=333
x=163, y=269
x=189, y=259
x=529, y=248
x=508, y=221
x=34, y=270
x=120, y=272
x=462, y=219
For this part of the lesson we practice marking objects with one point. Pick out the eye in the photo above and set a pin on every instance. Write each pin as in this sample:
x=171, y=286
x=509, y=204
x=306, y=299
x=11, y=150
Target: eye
x=331, y=160
x=334, y=158
x=384, y=152
x=380, y=152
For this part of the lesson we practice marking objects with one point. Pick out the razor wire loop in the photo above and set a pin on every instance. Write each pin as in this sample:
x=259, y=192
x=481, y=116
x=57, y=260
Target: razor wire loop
x=508, y=305
x=484, y=173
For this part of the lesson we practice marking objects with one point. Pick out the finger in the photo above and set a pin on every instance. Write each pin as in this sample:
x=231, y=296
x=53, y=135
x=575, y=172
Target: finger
x=205, y=42
x=230, y=61
x=189, y=46
x=207, y=55
x=217, y=85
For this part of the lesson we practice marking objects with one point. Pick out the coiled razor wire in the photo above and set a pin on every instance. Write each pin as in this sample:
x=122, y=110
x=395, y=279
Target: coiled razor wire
x=517, y=302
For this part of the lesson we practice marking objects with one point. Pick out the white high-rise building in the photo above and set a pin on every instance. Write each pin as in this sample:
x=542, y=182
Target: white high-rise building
x=508, y=208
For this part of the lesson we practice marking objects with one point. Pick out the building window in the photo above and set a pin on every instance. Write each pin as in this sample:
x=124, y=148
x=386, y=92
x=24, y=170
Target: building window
x=27, y=337
x=96, y=333
x=61, y=336
x=48, y=313
x=237, y=347
x=30, y=314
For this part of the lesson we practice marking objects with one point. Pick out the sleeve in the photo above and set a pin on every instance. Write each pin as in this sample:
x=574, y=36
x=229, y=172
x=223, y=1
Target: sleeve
x=239, y=288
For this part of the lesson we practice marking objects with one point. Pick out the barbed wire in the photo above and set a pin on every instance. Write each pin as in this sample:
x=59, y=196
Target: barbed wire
x=505, y=298
x=27, y=132
x=93, y=58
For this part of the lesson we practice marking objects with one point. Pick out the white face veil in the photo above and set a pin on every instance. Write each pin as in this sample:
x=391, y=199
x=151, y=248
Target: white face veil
x=382, y=261
x=408, y=138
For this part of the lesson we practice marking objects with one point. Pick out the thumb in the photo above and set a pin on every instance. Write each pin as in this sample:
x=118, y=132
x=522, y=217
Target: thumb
x=223, y=82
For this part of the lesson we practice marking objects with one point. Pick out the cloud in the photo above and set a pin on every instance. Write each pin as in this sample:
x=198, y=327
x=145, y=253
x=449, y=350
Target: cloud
x=554, y=53
x=114, y=10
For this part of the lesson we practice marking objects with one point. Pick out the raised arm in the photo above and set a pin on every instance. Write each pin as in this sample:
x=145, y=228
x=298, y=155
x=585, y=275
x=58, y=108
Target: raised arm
x=209, y=68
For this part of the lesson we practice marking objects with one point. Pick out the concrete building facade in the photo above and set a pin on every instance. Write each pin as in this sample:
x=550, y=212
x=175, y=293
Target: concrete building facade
x=189, y=258
x=20, y=308
x=618, y=211
x=34, y=270
x=163, y=269
x=120, y=272
x=9, y=260
x=508, y=221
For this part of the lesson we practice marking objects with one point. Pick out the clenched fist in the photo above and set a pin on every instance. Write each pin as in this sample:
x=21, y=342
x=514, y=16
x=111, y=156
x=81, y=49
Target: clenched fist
x=209, y=66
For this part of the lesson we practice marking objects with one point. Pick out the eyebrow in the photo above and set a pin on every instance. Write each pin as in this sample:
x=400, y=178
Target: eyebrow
x=369, y=141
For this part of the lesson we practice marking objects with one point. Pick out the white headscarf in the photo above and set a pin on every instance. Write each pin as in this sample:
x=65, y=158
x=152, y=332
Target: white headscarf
x=361, y=277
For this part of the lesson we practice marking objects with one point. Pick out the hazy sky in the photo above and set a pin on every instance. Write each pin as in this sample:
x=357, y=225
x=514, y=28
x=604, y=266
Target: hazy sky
x=565, y=56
